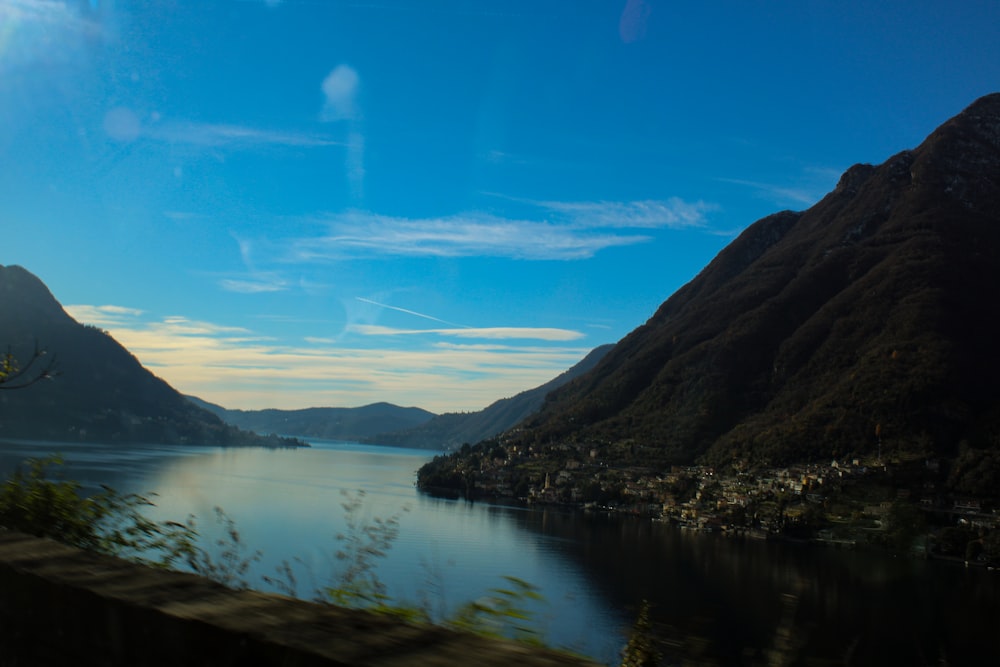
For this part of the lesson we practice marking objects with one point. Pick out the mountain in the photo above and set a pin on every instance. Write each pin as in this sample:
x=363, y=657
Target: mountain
x=100, y=392
x=870, y=320
x=452, y=430
x=327, y=423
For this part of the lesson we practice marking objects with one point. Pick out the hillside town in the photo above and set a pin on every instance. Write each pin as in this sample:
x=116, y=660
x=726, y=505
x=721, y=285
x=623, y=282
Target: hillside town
x=893, y=503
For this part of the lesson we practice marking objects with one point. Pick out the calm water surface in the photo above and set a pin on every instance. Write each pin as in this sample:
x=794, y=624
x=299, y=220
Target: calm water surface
x=737, y=598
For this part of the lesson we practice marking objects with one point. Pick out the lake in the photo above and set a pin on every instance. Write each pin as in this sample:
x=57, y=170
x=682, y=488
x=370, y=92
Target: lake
x=730, y=600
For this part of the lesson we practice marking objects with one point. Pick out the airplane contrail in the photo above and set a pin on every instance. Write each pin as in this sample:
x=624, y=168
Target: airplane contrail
x=411, y=312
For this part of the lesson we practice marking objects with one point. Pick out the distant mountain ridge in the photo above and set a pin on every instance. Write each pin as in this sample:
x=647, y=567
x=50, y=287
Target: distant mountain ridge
x=354, y=424
x=869, y=322
x=452, y=430
x=388, y=424
x=101, y=393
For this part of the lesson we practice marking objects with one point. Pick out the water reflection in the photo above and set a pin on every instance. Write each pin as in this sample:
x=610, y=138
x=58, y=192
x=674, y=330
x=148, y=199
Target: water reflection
x=287, y=504
x=734, y=593
x=737, y=599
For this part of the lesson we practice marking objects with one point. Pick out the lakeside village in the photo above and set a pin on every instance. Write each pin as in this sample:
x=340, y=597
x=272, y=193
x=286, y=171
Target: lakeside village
x=899, y=504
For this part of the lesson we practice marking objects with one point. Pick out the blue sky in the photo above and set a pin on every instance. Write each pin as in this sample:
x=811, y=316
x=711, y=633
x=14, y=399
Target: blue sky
x=428, y=202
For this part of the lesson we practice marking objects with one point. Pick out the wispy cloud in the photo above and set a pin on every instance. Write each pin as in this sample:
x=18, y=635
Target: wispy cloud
x=566, y=231
x=340, y=90
x=236, y=367
x=253, y=285
x=460, y=330
x=175, y=328
x=632, y=24
x=44, y=12
x=526, y=333
x=46, y=30
x=811, y=185
x=253, y=281
x=125, y=125
x=232, y=136
x=673, y=213
x=102, y=316
x=340, y=103
x=466, y=235
x=320, y=340
x=178, y=325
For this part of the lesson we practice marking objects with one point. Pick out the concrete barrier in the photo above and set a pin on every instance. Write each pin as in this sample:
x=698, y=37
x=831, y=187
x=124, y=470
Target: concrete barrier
x=60, y=605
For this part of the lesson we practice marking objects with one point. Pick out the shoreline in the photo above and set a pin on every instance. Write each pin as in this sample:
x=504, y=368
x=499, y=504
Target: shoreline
x=730, y=532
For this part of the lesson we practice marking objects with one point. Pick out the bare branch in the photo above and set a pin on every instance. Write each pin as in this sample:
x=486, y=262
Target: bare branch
x=39, y=367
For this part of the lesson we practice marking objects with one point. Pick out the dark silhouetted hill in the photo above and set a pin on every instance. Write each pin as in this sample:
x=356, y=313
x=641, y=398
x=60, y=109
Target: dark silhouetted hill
x=453, y=429
x=101, y=393
x=874, y=315
x=327, y=423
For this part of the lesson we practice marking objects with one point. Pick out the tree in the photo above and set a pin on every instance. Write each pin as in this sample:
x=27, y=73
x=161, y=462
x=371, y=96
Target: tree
x=641, y=649
x=905, y=523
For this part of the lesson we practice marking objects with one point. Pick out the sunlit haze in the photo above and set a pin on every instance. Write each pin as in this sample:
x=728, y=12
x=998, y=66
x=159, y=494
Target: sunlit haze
x=432, y=203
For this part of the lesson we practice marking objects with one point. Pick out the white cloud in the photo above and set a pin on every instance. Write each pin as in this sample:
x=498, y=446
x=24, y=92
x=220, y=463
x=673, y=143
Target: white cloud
x=340, y=89
x=48, y=13
x=805, y=189
x=320, y=340
x=673, y=213
x=493, y=347
x=670, y=213
x=781, y=195
x=238, y=368
x=528, y=333
x=43, y=11
x=340, y=103
x=566, y=231
x=42, y=30
x=231, y=136
x=102, y=316
x=467, y=235
x=126, y=125
x=178, y=325
x=632, y=24
x=253, y=286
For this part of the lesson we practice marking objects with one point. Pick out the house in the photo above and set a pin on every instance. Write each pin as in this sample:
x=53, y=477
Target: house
x=967, y=505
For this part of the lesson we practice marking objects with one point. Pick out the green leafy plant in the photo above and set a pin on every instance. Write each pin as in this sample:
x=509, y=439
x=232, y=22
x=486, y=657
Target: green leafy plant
x=286, y=582
x=504, y=612
x=233, y=560
x=107, y=522
x=641, y=650
x=34, y=502
x=362, y=544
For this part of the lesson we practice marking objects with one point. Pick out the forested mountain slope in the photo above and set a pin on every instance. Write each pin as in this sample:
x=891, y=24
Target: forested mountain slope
x=872, y=316
x=326, y=423
x=453, y=429
x=100, y=392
